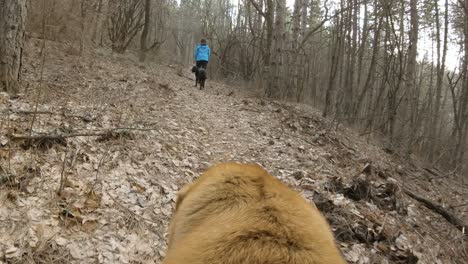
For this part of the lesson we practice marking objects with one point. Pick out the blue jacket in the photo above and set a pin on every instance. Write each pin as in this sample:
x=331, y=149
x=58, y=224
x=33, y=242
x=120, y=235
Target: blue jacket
x=202, y=53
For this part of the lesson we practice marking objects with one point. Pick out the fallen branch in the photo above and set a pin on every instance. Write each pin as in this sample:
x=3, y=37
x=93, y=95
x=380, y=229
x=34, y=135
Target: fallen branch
x=28, y=112
x=64, y=136
x=451, y=218
x=249, y=110
x=55, y=137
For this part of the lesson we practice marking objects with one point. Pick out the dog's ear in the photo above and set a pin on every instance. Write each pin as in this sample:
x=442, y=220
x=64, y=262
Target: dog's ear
x=182, y=194
x=172, y=226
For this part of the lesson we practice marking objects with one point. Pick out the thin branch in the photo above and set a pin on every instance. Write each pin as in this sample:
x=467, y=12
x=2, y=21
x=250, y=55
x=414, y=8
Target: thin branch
x=460, y=205
x=29, y=112
x=465, y=8
x=99, y=166
x=130, y=211
x=259, y=10
x=62, y=174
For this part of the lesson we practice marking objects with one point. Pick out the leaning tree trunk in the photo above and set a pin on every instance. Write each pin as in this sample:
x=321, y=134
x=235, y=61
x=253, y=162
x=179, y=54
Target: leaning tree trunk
x=144, y=33
x=12, y=27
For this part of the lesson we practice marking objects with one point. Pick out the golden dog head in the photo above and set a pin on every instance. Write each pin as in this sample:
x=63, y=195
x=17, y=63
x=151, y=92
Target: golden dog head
x=238, y=213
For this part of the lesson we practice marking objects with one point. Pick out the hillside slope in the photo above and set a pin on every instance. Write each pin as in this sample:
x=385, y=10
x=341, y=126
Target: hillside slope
x=124, y=137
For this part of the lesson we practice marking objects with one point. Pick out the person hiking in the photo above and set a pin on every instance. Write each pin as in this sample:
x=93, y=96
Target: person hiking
x=202, y=54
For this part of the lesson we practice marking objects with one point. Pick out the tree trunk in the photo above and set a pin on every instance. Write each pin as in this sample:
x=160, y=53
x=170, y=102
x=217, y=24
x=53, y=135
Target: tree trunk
x=334, y=61
x=463, y=105
x=273, y=89
x=103, y=7
x=84, y=9
x=370, y=79
x=144, y=34
x=363, y=47
x=433, y=140
x=411, y=73
x=296, y=18
x=269, y=19
x=440, y=76
x=350, y=72
x=12, y=27
x=294, y=60
x=304, y=18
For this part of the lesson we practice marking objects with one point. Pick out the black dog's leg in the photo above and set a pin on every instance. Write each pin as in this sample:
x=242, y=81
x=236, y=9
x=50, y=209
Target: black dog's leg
x=201, y=77
x=195, y=71
x=202, y=84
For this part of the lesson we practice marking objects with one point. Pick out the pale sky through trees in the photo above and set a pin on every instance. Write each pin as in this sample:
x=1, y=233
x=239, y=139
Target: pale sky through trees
x=425, y=44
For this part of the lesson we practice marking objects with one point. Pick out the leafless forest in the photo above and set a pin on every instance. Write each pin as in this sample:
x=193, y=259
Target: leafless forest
x=360, y=105
x=380, y=66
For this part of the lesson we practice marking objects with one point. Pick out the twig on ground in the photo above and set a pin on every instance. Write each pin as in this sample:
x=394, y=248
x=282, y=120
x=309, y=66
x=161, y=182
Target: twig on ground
x=249, y=109
x=128, y=210
x=118, y=203
x=62, y=174
x=101, y=161
x=460, y=205
x=28, y=112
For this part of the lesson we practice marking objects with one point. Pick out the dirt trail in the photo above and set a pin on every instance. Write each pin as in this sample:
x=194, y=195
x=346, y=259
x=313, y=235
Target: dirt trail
x=119, y=190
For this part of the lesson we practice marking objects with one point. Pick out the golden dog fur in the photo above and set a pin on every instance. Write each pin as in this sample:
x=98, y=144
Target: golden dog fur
x=238, y=213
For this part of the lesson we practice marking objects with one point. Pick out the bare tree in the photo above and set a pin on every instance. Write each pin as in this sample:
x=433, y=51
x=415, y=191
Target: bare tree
x=101, y=9
x=411, y=90
x=125, y=21
x=279, y=37
x=148, y=25
x=461, y=130
x=12, y=27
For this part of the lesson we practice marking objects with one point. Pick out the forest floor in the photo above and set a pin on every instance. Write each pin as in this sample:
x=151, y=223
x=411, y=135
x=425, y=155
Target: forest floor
x=123, y=137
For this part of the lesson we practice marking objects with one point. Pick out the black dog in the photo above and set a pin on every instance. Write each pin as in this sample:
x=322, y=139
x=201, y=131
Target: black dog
x=200, y=76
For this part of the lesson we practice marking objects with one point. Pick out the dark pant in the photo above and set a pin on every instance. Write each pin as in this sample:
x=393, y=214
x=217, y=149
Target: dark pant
x=202, y=64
